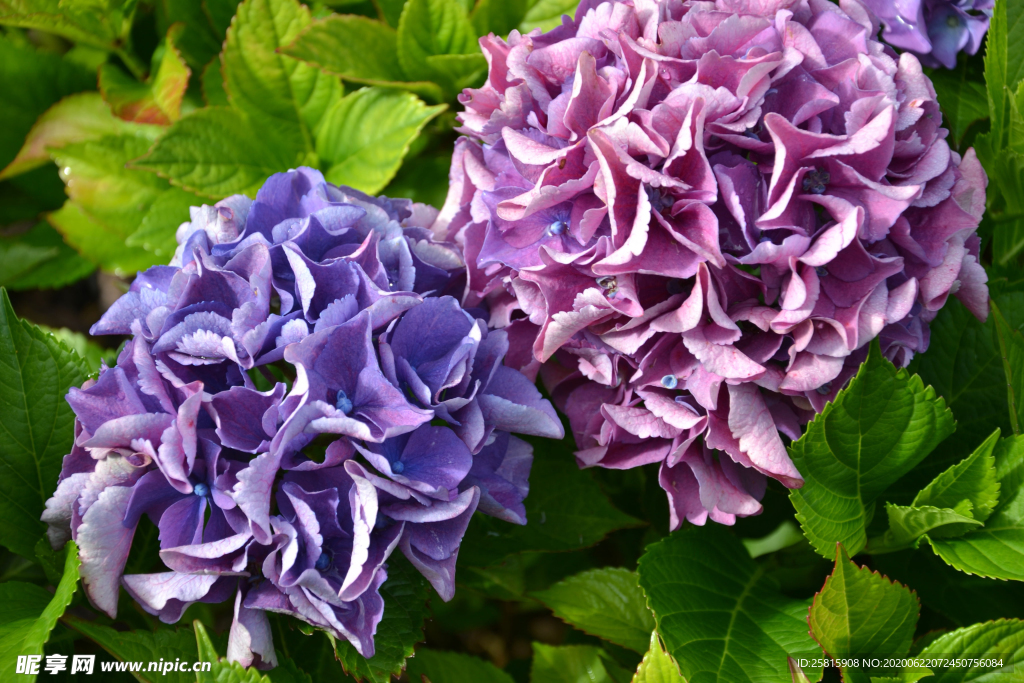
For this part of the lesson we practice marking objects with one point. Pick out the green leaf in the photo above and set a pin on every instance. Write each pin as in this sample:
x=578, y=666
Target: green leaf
x=74, y=119
x=785, y=535
x=877, y=429
x=144, y=646
x=274, y=90
x=30, y=614
x=32, y=81
x=955, y=502
x=204, y=646
x=200, y=40
x=912, y=673
x=573, y=664
x=358, y=49
x=1001, y=640
x=97, y=242
x=90, y=352
x=158, y=100
x=566, y=511
x=964, y=365
x=972, y=479
x=1011, y=346
x=390, y=10
x=962, y=96
x=366, y=135
x=996, y=550
x=314, y=649
x=1004, y=63
x=461, y=71
x=37, y=429
x=498, y=16
x=908, y=524
x=859, y=613
x=18, y=258
x=730, y=625
x=111, y=194
x=657, y=666
x=433, y=27
x=962, y=598
x=213, y=85
x=156, y=232
x=405, y=595
x=607, y=603
x=453, y=667
x=547, y=14
x=62, y=266
x=76, y=21
x=223, y=671
x=1005, y=167
x=217, y=152
x=220, y=13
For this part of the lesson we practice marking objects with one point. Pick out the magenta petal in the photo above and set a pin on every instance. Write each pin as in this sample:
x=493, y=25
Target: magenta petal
x=752, y=425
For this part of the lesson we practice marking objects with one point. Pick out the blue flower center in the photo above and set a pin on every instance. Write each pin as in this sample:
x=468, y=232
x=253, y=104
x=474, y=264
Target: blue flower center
x=322, y=562
x=825, y=389
x=398, y=467
x=669, y=382
x=822, y=271
x=382, y=521
x=953, y=21
x=557, y=227
x=816, y=182
x=201, y=490
x=343, y=402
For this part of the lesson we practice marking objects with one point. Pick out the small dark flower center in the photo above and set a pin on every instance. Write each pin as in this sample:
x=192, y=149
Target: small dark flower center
x=825, y=389
x=816, y=181
x=398, y=467
x=822, y=271
x=608, y=283
x=557, y=227
x=343, y=402
x=201, y=490
x=322, y=562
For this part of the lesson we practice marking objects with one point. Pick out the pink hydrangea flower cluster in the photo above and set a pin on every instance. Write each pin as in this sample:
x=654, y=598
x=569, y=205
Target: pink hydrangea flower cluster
x=697, y=215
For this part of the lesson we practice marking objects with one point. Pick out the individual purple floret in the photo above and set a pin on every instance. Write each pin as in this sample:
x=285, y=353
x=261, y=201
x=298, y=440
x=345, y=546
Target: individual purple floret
x=300, y=397
x=692, y=217
x=934, y=30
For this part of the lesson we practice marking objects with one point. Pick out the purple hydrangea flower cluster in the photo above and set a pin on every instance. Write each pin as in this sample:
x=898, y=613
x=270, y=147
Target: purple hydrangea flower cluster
x=299, y=397
x=697, y=215
x=934, y=30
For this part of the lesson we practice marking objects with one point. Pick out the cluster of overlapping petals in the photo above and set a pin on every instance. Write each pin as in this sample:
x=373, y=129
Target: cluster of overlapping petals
x=697, y=215
x=299, y=397
x=935, y=30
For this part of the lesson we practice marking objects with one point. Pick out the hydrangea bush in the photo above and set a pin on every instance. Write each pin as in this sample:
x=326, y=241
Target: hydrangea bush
x=341, y=264
x=387, y=422
x=698, y=215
